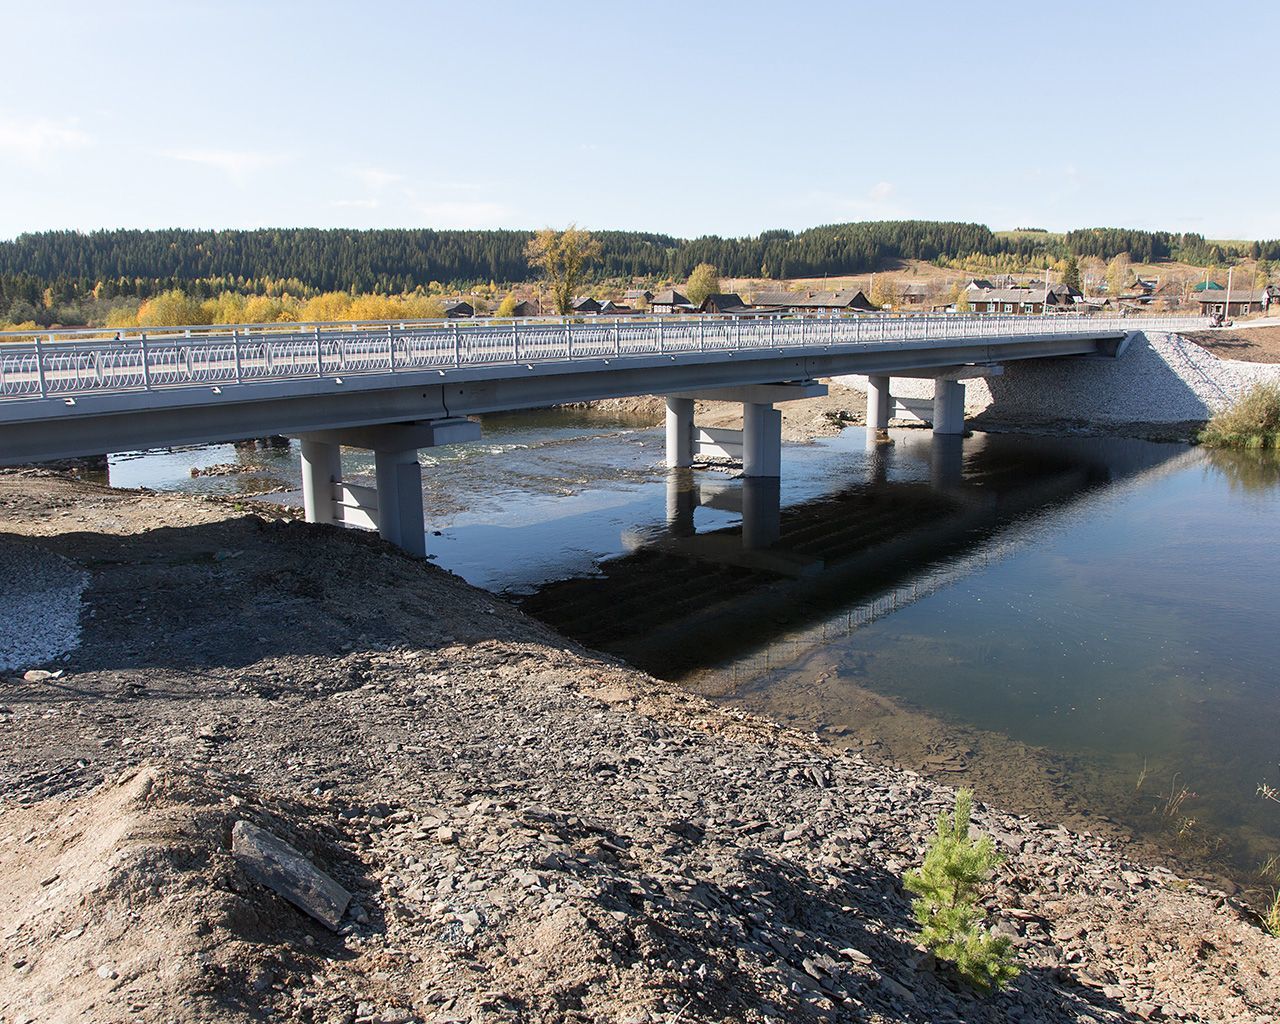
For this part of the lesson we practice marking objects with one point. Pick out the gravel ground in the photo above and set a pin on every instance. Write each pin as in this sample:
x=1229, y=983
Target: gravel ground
x=39, y=604
x=531, y=833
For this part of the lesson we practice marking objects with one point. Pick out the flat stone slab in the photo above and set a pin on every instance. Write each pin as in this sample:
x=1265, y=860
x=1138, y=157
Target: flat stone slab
x=277, y=865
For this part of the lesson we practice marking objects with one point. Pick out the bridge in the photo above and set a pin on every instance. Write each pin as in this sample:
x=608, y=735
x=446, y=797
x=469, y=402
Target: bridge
x=395, y=388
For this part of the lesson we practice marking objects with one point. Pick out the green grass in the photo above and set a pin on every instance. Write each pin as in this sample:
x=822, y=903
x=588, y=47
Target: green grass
x=1252, y=421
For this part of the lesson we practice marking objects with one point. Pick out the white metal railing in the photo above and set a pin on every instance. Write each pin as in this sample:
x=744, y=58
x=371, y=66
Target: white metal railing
x=95, y=361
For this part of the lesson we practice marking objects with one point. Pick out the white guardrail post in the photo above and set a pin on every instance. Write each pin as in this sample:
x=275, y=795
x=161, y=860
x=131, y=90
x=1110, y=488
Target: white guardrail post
x=44, y=389
x=146, y=369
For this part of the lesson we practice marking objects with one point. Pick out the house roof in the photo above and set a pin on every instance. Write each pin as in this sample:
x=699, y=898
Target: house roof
x=586, y=303
x=842, y=298
x=637, y=293
x=783, y=298
x=669, y=297
x=721, y=300
x=1237, y=295
x=915, y=288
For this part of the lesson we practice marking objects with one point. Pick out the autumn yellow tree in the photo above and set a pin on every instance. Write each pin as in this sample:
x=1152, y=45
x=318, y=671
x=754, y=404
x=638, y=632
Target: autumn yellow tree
x=884, y=291
x=173, y=308
x=563, y=256
x=507, y=307
x=1119, y=275
x=331, y=307
x=703, y=281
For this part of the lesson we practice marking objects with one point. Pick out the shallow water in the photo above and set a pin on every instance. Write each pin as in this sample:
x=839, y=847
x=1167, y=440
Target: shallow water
x=1108, y=602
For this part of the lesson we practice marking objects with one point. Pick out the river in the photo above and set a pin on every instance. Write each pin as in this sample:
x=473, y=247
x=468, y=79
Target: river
x=1080, y=628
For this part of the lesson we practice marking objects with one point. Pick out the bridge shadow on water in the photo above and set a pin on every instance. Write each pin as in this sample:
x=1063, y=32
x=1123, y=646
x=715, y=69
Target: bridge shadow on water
x=682, y=600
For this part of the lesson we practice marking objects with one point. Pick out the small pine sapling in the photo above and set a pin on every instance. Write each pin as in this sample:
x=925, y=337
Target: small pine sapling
x=947, y=886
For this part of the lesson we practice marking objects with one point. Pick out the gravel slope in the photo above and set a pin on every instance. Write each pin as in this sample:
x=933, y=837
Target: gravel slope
x=530, y=832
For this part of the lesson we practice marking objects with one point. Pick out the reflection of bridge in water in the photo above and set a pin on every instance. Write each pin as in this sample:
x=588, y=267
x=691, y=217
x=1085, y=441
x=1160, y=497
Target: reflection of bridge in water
x=924, y=516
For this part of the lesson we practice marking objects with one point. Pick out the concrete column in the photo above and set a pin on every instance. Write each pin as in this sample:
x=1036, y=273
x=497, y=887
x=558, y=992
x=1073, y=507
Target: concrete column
x=879, y=403
x=400, y=518
x=679, y=432
x=761, y=512
x=321, y=469
x=761, y=440
x=948, y=407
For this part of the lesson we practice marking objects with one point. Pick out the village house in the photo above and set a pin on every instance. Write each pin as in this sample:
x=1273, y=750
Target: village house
x=637, y=297
x=727, y=303
x=913, y=293
x=1217, y=302
x=586, y=304
x=527, y=307
x=1023, y=300
x=671, y=301
x=844, y=300
x=458, y=308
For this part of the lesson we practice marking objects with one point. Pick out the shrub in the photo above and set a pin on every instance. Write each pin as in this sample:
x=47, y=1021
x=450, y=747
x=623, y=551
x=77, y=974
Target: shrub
x=946, y=886
x=1252, y=421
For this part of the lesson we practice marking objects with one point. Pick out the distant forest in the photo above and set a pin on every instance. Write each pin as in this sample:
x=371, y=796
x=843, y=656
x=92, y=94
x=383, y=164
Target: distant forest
x=63, y=266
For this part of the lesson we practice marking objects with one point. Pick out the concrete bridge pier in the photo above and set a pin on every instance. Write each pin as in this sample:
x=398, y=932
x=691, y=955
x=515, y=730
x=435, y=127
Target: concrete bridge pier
x=761, y=440
x=948, y=406
x=394, y=506
x=879, y=404
x=679, y=432
x=400, y=520
x=321, y=471
x=758, y=444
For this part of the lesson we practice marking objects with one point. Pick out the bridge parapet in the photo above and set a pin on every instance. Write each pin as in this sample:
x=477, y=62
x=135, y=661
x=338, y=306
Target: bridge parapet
x=66, y=364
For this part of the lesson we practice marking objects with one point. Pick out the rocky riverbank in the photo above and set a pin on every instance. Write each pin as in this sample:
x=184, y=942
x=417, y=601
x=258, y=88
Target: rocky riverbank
x=528, y=832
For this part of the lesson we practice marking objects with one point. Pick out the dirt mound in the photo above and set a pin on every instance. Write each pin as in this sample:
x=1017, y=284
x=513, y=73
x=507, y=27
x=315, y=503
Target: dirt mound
x=113, y=903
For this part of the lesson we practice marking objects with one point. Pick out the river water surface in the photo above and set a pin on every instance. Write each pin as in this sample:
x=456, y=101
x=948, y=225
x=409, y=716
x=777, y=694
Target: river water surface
x=1073, y=626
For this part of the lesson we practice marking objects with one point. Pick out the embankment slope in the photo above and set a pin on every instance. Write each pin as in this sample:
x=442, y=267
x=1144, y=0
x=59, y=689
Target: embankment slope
x=530, y=832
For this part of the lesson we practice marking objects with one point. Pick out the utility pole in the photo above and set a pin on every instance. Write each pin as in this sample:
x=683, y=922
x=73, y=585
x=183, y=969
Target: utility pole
x=1226, y=309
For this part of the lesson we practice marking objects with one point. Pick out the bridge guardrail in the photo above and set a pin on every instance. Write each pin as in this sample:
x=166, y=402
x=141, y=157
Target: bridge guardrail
x=66, y=364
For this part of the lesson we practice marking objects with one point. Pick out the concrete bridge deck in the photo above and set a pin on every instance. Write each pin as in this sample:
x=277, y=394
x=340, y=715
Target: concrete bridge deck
x=396, y=388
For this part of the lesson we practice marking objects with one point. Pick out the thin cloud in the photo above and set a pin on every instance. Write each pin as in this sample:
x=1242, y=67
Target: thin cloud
x=459, y=214
x=36, y=140
x=376, y=177
x=362, y=204
x=236, y=164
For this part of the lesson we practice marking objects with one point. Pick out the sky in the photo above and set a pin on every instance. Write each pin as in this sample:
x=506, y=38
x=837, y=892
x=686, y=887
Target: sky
x=676, y=118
